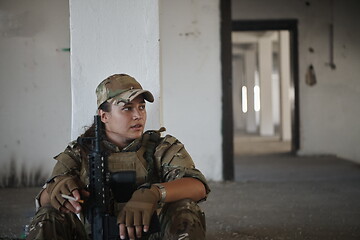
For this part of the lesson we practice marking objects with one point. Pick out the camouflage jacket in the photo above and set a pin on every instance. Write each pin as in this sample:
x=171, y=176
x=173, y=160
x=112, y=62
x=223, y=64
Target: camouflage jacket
x=171, y=161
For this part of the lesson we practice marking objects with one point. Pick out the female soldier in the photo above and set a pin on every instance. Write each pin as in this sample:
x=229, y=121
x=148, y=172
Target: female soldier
x=170, y=175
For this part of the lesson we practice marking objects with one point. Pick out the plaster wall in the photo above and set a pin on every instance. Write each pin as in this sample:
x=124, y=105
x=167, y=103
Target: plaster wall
x=109, y=37
x=329, y=110
x=191, y=79
x=35, y=100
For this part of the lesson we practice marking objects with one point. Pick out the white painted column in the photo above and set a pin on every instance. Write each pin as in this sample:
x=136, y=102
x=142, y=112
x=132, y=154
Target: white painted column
x=265, y=69
x=285, y=86
x=250, y=67
x=109, y=37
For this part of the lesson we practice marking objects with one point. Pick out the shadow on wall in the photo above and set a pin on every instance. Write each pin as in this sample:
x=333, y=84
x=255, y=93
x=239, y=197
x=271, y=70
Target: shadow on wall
x=12, y=175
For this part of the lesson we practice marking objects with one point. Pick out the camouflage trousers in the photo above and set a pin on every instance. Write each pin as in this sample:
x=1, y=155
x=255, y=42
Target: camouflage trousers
x=181, y=220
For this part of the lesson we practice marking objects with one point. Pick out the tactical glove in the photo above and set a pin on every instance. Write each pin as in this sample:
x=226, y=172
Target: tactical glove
x=140, y=208
x=62, y=185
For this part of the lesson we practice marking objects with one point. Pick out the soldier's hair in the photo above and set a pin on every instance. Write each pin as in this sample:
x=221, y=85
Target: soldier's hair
x=105, y=106
x=90, y=131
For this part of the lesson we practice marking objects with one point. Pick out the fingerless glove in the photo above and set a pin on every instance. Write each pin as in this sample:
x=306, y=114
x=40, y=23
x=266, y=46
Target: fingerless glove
x=62, y=185
x=139, y=209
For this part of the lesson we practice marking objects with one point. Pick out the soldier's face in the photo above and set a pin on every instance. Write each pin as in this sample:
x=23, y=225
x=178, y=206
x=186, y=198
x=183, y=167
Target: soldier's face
x=125, y=123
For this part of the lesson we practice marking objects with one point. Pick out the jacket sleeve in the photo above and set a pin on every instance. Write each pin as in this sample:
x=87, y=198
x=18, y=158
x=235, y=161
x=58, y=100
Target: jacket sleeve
x=68, y=162
x=175, y=162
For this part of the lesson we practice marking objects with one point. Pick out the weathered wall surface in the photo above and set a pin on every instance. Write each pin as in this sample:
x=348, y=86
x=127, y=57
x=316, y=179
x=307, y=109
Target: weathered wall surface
x=35, y=100
x=176, y=57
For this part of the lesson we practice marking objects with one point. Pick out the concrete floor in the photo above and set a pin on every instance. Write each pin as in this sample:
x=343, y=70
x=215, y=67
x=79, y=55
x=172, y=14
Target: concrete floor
x=285, y=197
x=246, y=144
x=275, y=196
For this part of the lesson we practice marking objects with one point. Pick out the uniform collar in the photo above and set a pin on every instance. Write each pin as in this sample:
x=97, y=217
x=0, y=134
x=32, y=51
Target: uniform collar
x=133, y=146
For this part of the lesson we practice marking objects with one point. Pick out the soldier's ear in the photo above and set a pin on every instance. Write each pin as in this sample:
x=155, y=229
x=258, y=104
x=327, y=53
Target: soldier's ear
x=104, y=116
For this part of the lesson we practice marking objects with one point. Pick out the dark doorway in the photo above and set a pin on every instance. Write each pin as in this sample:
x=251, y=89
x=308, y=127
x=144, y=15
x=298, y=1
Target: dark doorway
x=288, y=25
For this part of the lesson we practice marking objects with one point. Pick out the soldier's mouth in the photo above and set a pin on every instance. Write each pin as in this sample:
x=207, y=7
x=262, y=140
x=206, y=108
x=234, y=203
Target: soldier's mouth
x=137, y=126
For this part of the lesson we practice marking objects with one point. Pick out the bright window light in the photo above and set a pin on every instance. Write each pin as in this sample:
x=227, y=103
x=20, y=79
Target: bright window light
x=257, y=98
x=244, y=99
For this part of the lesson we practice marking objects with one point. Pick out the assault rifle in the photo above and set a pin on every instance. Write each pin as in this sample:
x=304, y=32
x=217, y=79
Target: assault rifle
x=101, y=182
x=97, y=207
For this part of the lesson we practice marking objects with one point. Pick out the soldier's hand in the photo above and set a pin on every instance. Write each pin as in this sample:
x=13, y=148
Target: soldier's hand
x=67, y=185
x=80, y=196
x=138, y=212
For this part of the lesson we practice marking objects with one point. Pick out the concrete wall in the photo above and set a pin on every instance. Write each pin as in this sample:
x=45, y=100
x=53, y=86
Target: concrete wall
x=329, y=111
x=35, y=99
x=112, y=37
x=35, y=87
x=191, y=79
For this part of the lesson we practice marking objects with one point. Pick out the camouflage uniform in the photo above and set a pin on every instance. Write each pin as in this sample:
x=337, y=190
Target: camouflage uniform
x=179, y=220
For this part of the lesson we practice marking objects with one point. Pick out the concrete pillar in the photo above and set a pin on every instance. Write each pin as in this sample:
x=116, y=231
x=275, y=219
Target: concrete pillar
x=265, y=69
x=285, y=86
x=250, y=67
x=237, y=85
x=110, y=37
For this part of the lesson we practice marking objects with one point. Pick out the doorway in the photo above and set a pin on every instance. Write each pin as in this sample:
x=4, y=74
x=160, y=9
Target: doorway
x=262, y=92
x=262, y=120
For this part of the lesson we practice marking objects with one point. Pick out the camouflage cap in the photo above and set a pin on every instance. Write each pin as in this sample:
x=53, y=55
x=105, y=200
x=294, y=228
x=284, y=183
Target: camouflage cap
x=120, y=88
